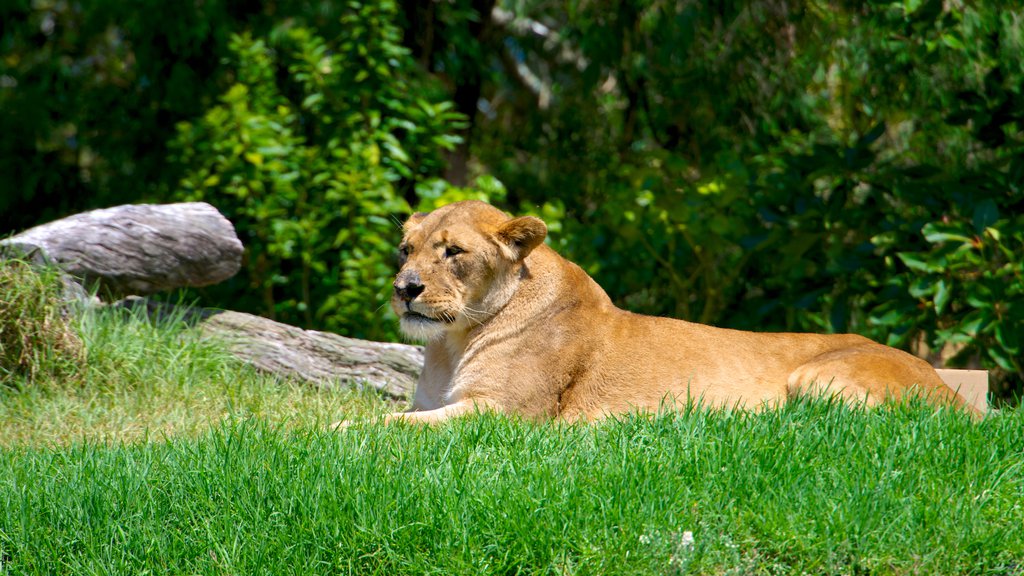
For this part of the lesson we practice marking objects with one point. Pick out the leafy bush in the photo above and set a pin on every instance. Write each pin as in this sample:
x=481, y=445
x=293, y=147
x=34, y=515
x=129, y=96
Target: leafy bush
x=780, y=167
x=307, y=153
x=966, y=288
x=771, y=165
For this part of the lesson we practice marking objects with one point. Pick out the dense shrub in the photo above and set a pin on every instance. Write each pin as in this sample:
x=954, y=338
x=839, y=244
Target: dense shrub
x=770, y=165
x=779, y=166
x=307, y=152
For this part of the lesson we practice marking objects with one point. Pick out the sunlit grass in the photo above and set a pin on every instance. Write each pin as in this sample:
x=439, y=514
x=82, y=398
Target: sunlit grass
x=143, y=377
x=812, y=487
x=36, y=338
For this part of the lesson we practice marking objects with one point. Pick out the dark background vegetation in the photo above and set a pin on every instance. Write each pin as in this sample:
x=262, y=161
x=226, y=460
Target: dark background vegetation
x=775, y=165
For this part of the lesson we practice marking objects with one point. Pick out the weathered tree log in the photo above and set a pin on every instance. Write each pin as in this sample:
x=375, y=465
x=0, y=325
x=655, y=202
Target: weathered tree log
x=138, y=249
x=141, y=249
x=317, y=357
x=320, y=358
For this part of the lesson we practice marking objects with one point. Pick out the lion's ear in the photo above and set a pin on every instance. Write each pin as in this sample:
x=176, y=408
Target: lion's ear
x=521, y=235
x=414, y=220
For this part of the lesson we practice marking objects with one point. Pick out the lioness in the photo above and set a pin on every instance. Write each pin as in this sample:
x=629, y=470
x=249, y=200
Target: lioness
x=512, y=326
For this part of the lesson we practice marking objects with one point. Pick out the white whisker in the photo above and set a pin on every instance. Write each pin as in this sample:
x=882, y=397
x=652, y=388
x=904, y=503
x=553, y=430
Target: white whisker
x=475, y=316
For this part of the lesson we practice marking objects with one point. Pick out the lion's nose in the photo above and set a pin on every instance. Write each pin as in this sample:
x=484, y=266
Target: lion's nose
x=408, y=286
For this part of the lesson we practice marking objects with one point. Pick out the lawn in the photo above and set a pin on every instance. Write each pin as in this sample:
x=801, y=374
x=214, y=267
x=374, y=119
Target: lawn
x=809, y=488
x=159, y=454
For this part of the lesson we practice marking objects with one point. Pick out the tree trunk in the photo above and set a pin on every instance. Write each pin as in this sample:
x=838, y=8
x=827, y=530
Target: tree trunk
x=468, y=88
x=138, y=249
x=321, y=358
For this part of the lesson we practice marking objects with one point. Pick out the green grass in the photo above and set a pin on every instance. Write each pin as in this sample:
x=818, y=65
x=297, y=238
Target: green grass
x=143, y=378
x=36, y=340
x=162, y=455
x=809, y=488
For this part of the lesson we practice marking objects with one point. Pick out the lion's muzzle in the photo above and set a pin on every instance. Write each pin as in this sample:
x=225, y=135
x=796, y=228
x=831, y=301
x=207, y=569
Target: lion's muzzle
x=408, y=285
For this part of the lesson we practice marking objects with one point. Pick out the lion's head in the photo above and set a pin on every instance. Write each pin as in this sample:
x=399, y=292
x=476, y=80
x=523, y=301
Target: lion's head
x=460, y=264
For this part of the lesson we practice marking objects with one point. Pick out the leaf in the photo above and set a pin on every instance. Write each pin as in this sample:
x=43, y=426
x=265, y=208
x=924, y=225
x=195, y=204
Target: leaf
x=985, y=214
x=272, y=150
x=839, y=314
x=935, y=233
x=974, y=323
x=944, y=290
x=953, y=335
x=922, y=287
x=1001, y=357
x=916, y=262
x=872, y=135
x=312, y=100
x=952, y=41
x=1016, y=173
x=979, y=296
x=1008, y=336
x=254, y=158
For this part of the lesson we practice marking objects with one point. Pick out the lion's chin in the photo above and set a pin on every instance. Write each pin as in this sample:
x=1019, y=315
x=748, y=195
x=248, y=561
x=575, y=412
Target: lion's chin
x=420, y=327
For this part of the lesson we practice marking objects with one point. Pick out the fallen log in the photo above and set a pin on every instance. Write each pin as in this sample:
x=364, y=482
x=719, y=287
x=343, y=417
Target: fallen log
x=137, y=249
x=321, y=358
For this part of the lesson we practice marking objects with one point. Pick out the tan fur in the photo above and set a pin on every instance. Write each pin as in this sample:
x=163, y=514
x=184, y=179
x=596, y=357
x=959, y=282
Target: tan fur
x=512, y=326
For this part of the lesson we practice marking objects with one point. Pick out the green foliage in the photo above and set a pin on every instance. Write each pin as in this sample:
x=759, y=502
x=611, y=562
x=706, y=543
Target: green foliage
x=436, y=193
x=765, y=166
x=769, y=165
x=36, y=339
x=89, y=95
x=813, y=487
x=306, y=153
x=967, y=288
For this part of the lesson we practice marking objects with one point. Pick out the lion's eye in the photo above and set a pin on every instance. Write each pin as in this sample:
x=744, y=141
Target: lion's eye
x=403, y=252
x=452, y=251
